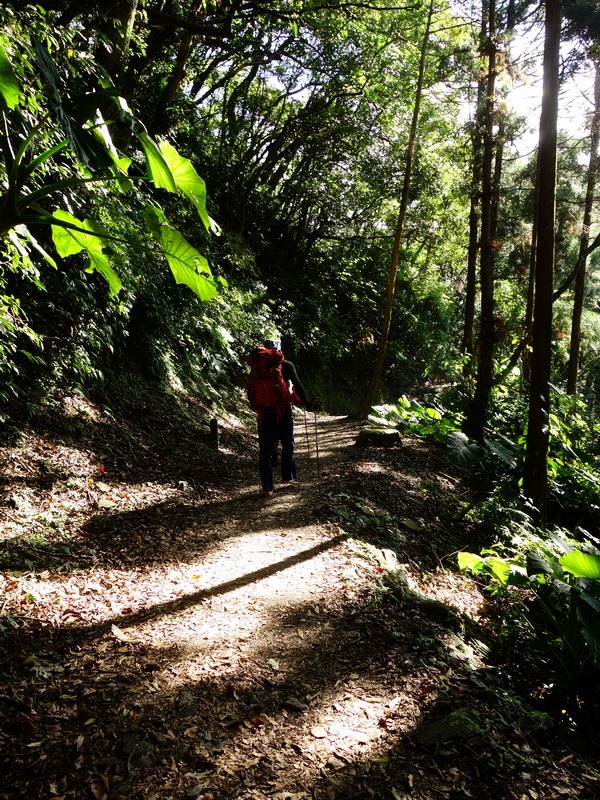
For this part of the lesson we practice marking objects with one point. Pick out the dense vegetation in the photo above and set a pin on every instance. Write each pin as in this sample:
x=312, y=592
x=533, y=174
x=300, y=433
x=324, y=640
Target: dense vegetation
x=178, y=177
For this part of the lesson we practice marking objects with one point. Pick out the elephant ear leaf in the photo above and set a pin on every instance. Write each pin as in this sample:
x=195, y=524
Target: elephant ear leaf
x=49, y=75
x=9, y=85
x=537, y=564
x=188, y=266
x=156, y=167
x=461, y=450
x=187, y=179
x=88, y=148
x=470, y=561
x=581, y=565
x=72, y=235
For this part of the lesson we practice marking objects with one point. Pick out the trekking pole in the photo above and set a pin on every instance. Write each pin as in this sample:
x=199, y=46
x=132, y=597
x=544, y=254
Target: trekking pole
x=306, y=432
x=317, y=448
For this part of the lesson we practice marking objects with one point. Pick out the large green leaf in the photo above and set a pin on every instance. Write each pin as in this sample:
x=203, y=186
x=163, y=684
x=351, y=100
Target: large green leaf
x=9, y=85
x=89, y=150
x=470, y=561
x=590, y=629
x=537, y=564
x=581, y=565
x=157, y=168
x=503, y=453
x=500, y=568
x=186, y=178
x=187, y=264
x=590, y=600
x=69, y=241
x=461, y=450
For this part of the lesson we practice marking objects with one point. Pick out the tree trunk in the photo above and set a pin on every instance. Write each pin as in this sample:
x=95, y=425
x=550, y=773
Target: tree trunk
x=477, y=412
x=378, y=369
x=575, y=346
x=177, y=76
x=535, y=477
x=473, y=249
x=118, y=27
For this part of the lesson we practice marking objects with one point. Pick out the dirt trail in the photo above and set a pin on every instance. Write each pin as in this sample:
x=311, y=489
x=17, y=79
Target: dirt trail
x=208, y=643
x=250, y=564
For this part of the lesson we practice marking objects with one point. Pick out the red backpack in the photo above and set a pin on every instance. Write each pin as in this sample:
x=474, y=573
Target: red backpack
x=267, y=388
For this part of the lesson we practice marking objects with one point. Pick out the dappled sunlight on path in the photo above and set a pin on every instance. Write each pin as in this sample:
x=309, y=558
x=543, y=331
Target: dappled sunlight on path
x=211, y=643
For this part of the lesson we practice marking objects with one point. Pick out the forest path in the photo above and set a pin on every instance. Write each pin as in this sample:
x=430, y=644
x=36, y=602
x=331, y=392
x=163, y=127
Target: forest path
x=182, y=637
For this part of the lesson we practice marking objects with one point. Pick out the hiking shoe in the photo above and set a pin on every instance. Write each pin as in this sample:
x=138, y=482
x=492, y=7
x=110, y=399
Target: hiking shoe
x=266, y=493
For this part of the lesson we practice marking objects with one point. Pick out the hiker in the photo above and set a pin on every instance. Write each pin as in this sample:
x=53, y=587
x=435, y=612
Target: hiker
x=273, y=388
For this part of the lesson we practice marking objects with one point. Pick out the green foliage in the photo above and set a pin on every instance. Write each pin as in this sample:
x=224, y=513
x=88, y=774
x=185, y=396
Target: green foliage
x=96, y=161
x=432, y=420
x=371, y=525
x=461, y=450
x=442, y=424
x=14, y=335
x=574, y=477
x=563, y=575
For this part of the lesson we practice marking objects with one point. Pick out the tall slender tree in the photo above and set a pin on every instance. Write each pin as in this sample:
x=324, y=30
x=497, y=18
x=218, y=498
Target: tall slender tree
x=477, y=411
x=535, y=477
x=375, y=382
x=474, y=216
x=581, y=266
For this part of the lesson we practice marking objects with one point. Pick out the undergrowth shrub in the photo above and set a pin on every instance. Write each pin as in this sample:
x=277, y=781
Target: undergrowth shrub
x=562, y=574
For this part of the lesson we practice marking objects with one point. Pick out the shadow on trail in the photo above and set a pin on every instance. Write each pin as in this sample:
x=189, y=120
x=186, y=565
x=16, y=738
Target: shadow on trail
x=324, y=699
x=339, y=717
x=182, y=603
x=188, y=525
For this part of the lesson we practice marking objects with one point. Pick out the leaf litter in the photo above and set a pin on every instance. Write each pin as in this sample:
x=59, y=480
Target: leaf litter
x=168, y=634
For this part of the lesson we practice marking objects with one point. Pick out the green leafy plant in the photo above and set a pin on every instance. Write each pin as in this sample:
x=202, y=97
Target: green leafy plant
x=564, y=579
x=431, y=420
x=38, y=168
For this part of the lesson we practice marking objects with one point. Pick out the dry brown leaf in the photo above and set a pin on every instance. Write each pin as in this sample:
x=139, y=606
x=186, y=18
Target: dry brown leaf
x=99, y=789
x=119, y=634
x=104, y=502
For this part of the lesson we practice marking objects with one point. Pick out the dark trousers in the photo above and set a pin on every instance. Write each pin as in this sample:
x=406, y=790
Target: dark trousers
x=273, y=428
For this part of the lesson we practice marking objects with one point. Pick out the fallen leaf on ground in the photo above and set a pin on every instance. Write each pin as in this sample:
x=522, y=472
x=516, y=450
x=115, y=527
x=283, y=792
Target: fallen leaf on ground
x=119, y=634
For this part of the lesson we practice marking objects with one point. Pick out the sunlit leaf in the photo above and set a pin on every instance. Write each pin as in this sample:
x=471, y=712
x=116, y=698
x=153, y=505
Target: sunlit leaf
x=470, y=561
x=188, y=266
x=156, y=167
x=187, y=179
x=70, y=242
x=499, y=568
x=104, y=502
x=581, y=565
x=9, y=86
